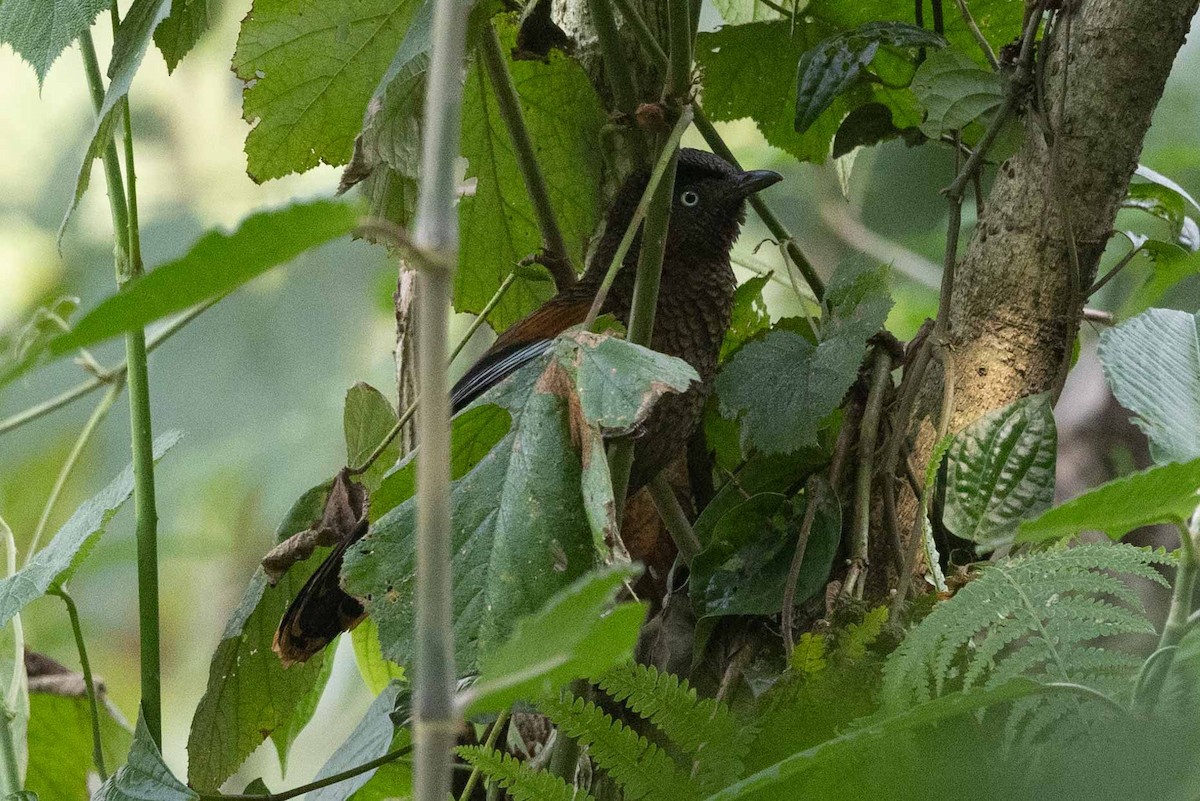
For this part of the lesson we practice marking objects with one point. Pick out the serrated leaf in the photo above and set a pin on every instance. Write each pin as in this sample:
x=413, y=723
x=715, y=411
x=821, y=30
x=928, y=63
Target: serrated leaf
x=781, y=387
x=57, y=562
x=1000, y=471
x=178, y=33
x=38, y=31
x=521, y=529
x=372, y=738
x=575, y=635
x=367, y=418
x=1163, y=494
x=310, y=68
x=1152, y=363
x=497, y=223
x=217, y=263
x=955, y=91
x=827, y=70
x=250, y=695
x=749, y=317
x=145, y=777
x=129, y=46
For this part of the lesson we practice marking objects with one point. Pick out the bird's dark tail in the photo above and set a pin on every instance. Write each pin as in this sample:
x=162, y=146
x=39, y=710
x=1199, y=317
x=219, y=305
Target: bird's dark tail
x=320, y=611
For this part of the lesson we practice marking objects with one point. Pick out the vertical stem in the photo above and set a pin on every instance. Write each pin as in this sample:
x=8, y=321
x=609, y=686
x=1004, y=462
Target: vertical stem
x=674, y=518
x=1185, y=587
x=679, y=65
x=128, y=265
x=89, y=681
x=620, y=79
x=492, y=56
x=881, y=368
x=10, y=773
x=10, y=778
x=434, y=726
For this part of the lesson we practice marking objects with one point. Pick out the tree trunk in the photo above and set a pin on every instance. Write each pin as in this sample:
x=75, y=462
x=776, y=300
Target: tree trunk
x=1015, y=311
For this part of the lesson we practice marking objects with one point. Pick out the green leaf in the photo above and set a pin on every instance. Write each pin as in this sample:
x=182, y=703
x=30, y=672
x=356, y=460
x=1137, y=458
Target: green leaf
x=498, y=225
x=129, y=46
x=376, y=671
x=520, y=781
x=1163, y=494
x=145, y=777
x=577, y=634
x=1153, y=366
x=775, y=781
x=367, y=419
x=178, y=34
x=750, y=316
x=250, y=696
x=830, y=68
x=371, y=739
x=309, y=69
x=521, y=528
x=955, y=91
x=782, y=386
x=57, y=562
x=1001, y=471
x=1150, y=175
x=1170, y=264
x=218, y=263
x=38, y=31
x=60, y=737
x=1159, y=201
x=739, y=12
x=744, y=569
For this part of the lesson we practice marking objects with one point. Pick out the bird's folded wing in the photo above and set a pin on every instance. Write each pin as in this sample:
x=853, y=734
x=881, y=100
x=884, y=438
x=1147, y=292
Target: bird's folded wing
x=523, y=342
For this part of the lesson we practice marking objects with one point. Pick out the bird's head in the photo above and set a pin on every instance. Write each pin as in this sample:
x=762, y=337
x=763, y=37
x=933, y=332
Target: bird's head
x=707, y=205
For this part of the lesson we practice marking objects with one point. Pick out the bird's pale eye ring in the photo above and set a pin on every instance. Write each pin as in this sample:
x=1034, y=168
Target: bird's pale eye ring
x=689, y=198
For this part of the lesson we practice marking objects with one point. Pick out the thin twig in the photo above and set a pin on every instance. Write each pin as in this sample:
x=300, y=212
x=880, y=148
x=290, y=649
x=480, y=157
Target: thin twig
x=89, y=681
x=509, y=105
x=1111, y=274
x=91, y=385
x=498, y=725
x=813, y=500
x=337, y=778
x=673, y=518
x=980, y=39
x=881, y=379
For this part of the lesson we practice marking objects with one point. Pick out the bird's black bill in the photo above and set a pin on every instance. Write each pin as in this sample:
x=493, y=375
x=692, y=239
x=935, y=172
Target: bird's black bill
x=751, y=181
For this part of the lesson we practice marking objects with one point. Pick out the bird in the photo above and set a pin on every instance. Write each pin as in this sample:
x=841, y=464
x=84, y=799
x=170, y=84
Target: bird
x=695, y=302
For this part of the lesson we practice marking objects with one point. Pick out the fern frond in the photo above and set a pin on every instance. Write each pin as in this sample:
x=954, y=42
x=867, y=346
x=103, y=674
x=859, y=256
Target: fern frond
x=704, y=729
x=1036, y=615
x=522, y=782
x=642, y=769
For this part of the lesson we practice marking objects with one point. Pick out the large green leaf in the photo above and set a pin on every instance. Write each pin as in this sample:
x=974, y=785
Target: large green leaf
x=376, y=671
x=250, y=696
x=744, y=569
x=834, y=65
x=370, y=739
x=55, y=563
x=498, y=225
x=310, y=68
x=575, y=635
x=129, y=46
x=145, y=777
x=1153, y=366
x=39, y=30
x=178, y=33
x=521, y=530
x=60, y=736
x=955, y=91
x=1163, y=494
x=1000, y=471
x=217, y=263
x=367, y=418
x=782, y=386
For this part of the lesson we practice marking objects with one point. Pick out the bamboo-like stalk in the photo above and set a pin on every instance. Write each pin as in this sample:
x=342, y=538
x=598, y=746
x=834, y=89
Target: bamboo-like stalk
x=128, y=266
x=559, y=258
x=679, y=64
x=620, y=78
x=434, y=722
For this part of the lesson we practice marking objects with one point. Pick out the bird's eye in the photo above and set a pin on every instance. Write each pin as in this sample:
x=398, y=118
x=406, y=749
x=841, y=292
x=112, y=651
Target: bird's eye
x=689, y=198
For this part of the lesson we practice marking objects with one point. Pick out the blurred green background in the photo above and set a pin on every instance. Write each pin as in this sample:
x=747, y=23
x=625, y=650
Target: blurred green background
x=257, y=383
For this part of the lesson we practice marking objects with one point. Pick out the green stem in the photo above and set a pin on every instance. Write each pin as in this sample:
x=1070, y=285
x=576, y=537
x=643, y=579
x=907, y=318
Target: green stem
x=10, y=777
x=89, y=681
x=678, y=83
x=481, y=318
x=91, y=385
x=620, y=78
x=337, y=778
x=714, y=140
x=509, y=104
x=128, y=266
x=10, y=774
x=434, y=719
x=673, y=518
x=881, y=379
x=472, y=780
x=81, y=442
